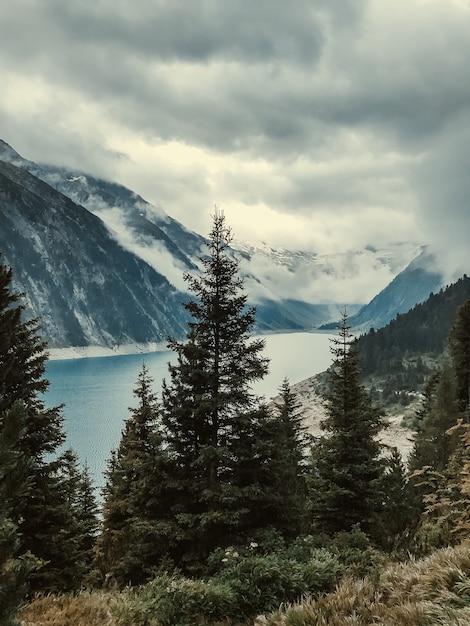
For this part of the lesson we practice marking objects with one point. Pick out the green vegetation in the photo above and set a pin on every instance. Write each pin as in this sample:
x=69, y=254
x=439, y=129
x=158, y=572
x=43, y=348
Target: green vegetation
x=47, y=512
x=400, y=358
x=218, y=508
x=132, y=541
x=15, y=565
x=346, y=476
x=430, y=591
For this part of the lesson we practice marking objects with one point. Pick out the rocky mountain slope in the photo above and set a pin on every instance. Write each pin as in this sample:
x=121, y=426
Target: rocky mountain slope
x=129, y=224
x=411, y=286
x=86, y=289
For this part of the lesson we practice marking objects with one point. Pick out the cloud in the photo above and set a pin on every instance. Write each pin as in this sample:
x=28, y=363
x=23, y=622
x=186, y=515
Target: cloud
x=442, y=184
x=326, y=125
x=152, y=252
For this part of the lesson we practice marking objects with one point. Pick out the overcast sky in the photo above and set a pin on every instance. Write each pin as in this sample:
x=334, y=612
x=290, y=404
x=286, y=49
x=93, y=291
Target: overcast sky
x=318, y=124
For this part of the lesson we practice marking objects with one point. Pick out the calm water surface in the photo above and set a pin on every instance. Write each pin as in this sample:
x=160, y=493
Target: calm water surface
x=97, y=392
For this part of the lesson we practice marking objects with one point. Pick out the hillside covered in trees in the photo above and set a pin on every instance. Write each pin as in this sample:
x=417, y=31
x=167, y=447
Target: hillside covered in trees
x=398, y=359
x=219, y=508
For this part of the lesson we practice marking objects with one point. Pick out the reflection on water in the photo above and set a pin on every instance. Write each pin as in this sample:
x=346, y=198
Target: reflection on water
x=97, y=392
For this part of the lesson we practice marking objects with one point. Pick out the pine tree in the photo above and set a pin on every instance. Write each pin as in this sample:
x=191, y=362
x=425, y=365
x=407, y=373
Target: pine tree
x=133, y=540
x=15, y=565
x=41, y=519
x=79, y=533
x=216, y=425
x=439, y=461
x=346, y=471
x=288, y=466
x=439, y=412
x=398, y=515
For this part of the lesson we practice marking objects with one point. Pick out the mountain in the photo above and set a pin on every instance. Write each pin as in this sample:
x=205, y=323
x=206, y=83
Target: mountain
x=273, y=277
x=398, y=359
x=313, y=277
x=65, y=298
x=423, y=330
x=411, y=286
x=85, y=287
x=293, y=290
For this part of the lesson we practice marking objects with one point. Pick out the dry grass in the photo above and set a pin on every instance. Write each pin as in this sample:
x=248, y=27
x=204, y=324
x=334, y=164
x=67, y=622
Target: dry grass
x=85, y=609
x=434, y=591
x=429, y=592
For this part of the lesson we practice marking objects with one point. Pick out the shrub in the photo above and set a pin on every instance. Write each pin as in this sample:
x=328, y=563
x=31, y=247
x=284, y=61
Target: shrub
x=175, y=601
x=244, y=587
x=356, y=553
x=262, y=583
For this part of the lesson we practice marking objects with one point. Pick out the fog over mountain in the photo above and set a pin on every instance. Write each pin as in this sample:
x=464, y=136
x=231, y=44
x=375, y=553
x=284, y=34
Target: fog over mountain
x=292, y=289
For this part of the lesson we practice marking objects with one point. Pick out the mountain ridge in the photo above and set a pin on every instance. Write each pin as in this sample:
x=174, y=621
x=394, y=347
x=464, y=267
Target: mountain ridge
x=40, y=225
x=291, y=289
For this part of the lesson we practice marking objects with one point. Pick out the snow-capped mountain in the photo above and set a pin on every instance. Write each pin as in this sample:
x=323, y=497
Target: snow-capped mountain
x=326, y=278
x=101, y=266
x=270, y=274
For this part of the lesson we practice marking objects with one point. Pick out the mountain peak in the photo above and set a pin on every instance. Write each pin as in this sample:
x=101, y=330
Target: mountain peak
x=8, y=154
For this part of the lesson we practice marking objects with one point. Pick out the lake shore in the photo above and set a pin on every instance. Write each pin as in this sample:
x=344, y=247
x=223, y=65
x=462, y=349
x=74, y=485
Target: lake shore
x=86, y=352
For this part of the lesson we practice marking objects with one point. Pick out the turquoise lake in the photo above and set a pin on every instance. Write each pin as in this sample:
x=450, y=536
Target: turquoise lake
x=97, y=392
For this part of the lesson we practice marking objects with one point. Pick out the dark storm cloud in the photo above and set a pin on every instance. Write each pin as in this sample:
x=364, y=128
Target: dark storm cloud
x=219, y=74
x=180, y=70
x=169, y=31
x=266, y=76
x=332, y=107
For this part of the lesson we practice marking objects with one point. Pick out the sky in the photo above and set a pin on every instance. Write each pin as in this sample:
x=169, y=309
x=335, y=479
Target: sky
x=323, y=125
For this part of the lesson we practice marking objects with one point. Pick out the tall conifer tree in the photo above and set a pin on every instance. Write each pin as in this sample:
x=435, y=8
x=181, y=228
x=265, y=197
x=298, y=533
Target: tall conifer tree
x=134, y=537
x=15, y=566
x=439, y=412
x=290, y=445
x=346, y=469
x=43, y=518
x=215, y=423
x=439, y=461
x=459, y=343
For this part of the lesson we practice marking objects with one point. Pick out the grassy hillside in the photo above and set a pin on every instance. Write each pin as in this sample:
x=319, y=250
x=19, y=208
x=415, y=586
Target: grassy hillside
x=424, y=592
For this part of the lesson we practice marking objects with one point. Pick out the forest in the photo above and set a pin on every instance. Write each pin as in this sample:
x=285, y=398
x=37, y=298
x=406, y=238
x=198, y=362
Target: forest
x=398, y=359
x=221, y=510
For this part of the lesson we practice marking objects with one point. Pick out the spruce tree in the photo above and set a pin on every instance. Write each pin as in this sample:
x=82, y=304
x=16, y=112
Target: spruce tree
x=15, y=565
x=398, y=514
x=134, y=536
x=439, y=461
x=215, y=424
x=43, y=518
x=288, y=465
x=438, y=412
x=79, y=533
x=346, y=470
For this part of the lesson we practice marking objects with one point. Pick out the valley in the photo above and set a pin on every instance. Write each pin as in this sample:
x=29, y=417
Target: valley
x=104, y=268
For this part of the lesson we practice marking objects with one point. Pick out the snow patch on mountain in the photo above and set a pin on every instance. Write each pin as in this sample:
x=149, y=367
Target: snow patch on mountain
x=352, y=277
